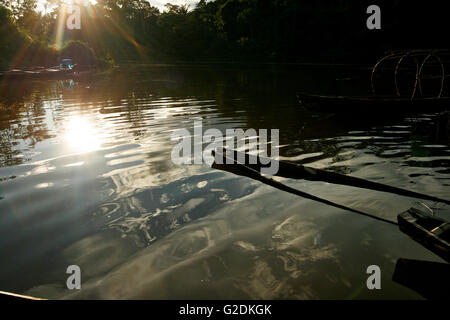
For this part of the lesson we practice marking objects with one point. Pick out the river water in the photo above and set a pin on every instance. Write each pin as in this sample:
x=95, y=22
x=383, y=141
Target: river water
x=86, y=178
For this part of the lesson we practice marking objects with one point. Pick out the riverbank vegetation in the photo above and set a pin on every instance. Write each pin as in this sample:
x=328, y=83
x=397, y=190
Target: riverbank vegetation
x=212, y=31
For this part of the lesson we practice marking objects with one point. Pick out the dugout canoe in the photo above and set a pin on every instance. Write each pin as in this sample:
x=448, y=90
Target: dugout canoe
x=371, y=103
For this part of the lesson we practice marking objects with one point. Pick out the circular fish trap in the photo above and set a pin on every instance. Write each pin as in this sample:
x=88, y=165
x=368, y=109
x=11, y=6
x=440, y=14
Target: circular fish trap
x=412, y=73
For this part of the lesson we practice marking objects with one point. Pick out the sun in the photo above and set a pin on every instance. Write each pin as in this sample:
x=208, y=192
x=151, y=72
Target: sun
x=45, y=6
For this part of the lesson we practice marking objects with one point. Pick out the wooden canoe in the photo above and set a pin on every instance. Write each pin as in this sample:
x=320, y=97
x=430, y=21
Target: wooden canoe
x=431, y=232
x=371, y=103
x=36, y=74
x=13, y=296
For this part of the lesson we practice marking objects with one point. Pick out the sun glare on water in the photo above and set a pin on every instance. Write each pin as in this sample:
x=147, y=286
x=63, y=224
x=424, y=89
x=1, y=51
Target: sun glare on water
x=81, y=136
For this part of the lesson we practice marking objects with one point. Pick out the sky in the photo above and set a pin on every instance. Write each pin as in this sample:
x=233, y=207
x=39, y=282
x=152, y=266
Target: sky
x=160, y=3
x=156, y=3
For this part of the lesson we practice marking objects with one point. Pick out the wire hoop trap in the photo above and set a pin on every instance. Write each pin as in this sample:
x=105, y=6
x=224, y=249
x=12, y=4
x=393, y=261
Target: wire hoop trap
x=423, y=72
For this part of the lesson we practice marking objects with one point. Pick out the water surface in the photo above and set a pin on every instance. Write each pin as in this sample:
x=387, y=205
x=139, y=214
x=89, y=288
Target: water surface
x=86, y=178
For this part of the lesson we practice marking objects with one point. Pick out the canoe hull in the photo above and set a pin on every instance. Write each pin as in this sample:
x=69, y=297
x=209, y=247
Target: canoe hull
x=371, y=103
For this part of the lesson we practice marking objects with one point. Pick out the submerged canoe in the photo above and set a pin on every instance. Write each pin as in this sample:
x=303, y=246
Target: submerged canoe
x=431, y=232
x=372, y=103
x=296, y=171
